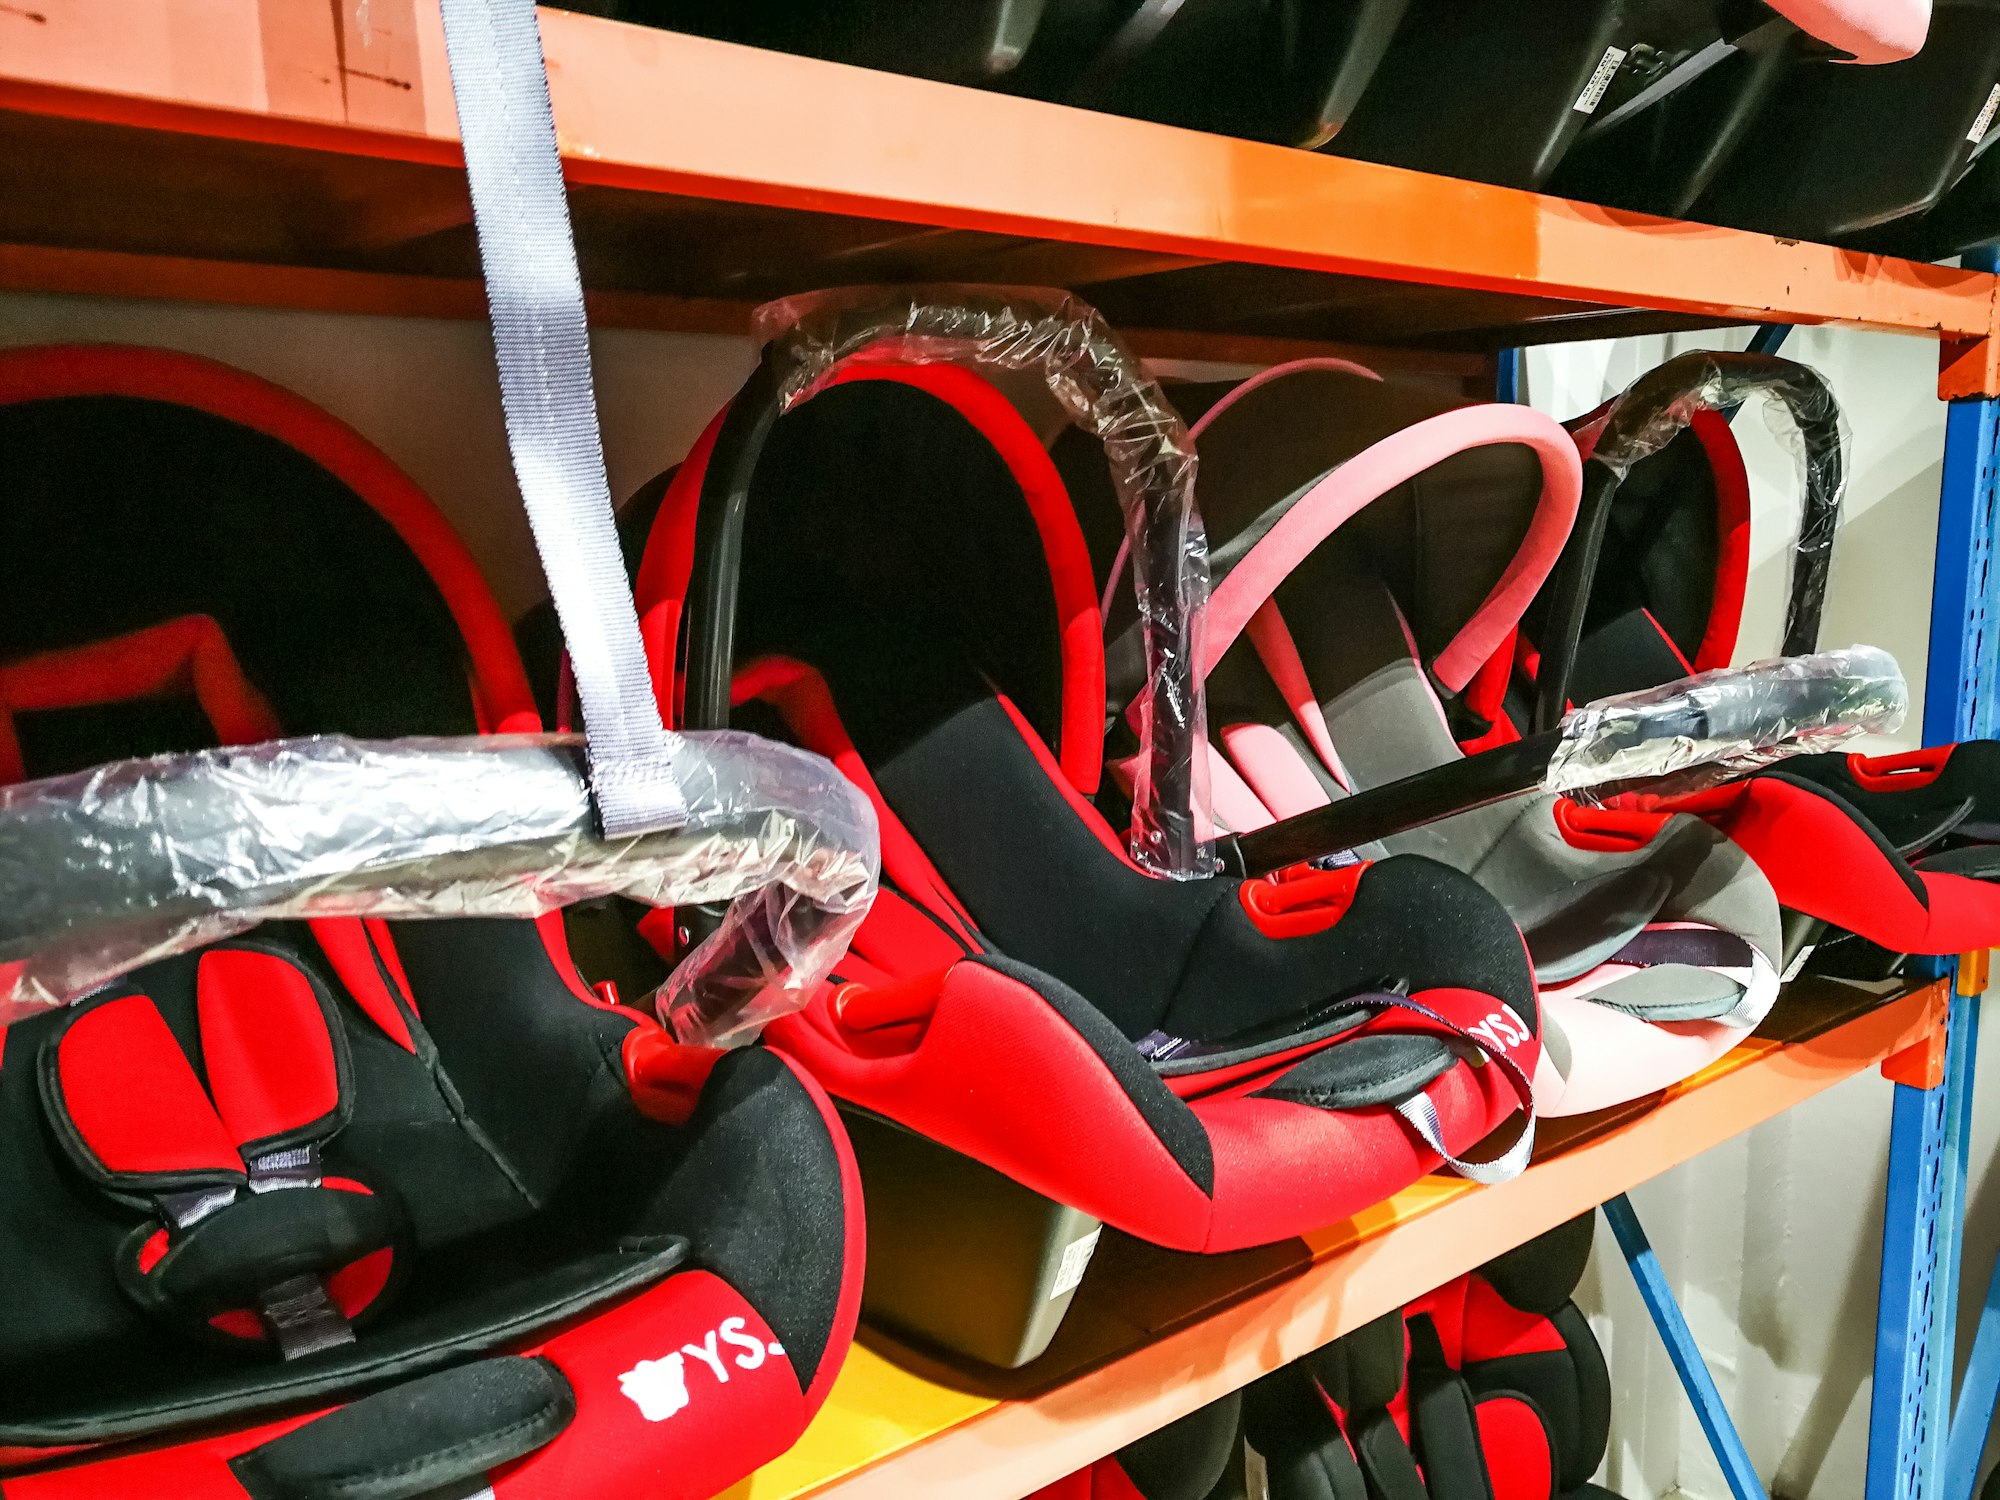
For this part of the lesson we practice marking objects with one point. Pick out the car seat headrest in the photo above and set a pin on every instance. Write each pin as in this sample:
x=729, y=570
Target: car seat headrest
x=1542, y=1275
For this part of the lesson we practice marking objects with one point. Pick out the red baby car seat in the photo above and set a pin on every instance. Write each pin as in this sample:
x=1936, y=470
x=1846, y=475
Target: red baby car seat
x=1374, y=544
x=1492, y=1387
x=348, y=1206
x=892, y=571
x=1655, y=570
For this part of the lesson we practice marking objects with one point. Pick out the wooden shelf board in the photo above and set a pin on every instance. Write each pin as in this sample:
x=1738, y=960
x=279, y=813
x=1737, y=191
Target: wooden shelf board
x=278, y=133
x=1154, y=1334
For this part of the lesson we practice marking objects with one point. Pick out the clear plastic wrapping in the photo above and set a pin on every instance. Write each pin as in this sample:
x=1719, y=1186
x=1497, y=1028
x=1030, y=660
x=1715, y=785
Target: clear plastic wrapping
x=1706, y=729
x=1661, y=403
x=115, y=867
x=1105, y=391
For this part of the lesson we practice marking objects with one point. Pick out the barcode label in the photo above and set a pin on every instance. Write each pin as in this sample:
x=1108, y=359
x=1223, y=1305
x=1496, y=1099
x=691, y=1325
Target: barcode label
x=1979, y=126
x=1593, y=91
x=1798, y=962
x=1075, y=1261
x=1256, y=1477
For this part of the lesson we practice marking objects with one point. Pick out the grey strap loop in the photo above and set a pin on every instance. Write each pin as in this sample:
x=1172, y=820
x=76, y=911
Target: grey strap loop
x=535, y=296
x=1421, y=1114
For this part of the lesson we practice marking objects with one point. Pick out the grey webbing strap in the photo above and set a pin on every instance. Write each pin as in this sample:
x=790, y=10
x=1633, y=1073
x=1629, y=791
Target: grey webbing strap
x=1421, y=1115
x=535, y=296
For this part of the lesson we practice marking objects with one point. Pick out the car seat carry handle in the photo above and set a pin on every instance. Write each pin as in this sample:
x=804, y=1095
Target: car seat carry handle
x=534, y=295
x=1104, y=389
x=1714, y=724
x=124, y=864
x=1654, y=410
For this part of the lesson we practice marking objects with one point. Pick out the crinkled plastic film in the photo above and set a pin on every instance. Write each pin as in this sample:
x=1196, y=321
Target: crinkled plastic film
x=1703, y=730
x=131, y=862
x=1105, y=390
x=1660, y=404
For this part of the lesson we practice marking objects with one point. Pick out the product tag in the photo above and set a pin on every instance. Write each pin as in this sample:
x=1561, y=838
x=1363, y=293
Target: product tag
x=1798, y=962
x=1075, y=1261
x=1593, y=91
x=1256, y=1476
x=1986, y=111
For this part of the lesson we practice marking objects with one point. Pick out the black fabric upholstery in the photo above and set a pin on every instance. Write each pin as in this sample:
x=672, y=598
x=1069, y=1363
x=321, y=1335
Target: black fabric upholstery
x=1622, y=655
x=1185, y=1459
x=917, y=533
x=1363, y=1370
x=1157, y=955
x=138, y=512
x=1386, y=1460
x=1662, y=546
x=1305, y=1457
x=228, y=1259
x=1172, y=1121
x=415, y=1438
x=753, y=1180
x=1368, y=1070
x=1543, y=1274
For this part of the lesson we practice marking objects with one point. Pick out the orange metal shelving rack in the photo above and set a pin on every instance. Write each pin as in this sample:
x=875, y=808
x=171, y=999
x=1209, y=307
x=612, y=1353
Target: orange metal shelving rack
x=268, y=151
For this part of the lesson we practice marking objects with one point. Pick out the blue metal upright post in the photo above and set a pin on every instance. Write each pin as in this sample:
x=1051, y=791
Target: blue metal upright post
x=1510, y=380
x=1723, y=1438
x=1915, y=1450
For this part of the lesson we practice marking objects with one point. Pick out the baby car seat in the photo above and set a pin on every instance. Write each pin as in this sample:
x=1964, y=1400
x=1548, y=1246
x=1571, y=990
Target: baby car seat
x=352, y=1207
x=1651, y=584
x=1492, y=1387
x=894, y=575
x=1374, y=544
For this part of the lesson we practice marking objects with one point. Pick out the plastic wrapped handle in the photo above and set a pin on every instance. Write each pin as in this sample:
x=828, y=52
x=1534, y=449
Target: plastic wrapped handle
x=129, y=863
x=1689, y=734
x=1105, y=390
x=1653, y=411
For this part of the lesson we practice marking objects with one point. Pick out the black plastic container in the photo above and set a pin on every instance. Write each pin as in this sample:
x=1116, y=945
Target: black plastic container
x=960, y=1258
x=1491, y=92
x=1287, y=71
x=957, y=41
x=1843, y=153
x=1683, y=104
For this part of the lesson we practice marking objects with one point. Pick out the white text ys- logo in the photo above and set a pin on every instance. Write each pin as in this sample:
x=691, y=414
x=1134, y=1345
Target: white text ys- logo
x=659, y=1387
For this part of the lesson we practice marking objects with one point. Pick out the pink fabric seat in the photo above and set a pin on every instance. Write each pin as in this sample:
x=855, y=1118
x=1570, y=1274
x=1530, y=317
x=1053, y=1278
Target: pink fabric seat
x=1874, y=31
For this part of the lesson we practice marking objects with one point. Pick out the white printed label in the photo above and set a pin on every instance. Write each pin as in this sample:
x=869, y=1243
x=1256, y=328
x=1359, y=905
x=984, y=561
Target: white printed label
x=1256, y=1477
x=1798, y=962
x=1978, y=131
x=1075, y=1261
x=1593, y=91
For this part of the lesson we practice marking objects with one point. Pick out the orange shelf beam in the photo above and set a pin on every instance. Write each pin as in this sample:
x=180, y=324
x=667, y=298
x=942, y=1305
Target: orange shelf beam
x=664, y=113
x=893, y=1429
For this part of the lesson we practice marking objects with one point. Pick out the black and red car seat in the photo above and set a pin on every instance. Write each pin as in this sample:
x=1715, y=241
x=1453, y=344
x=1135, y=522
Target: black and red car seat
x=351, y=1207
x=1375, y=543
x=1652, y=582
x=891, y=573
x=1492, y=1387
